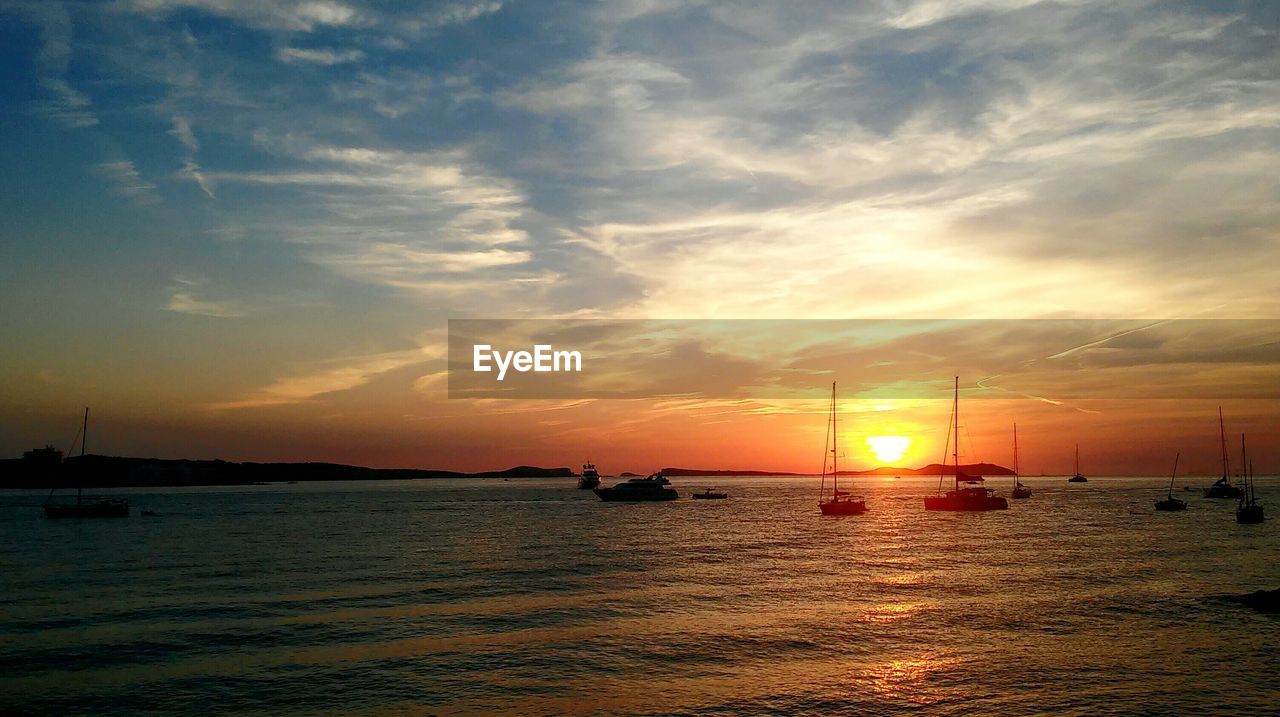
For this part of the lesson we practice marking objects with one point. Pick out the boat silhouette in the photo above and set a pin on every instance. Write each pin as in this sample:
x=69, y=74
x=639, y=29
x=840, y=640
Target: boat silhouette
x=1019, y=490
x=95, y=508
x=654, y=487
x=1222, y=487
x=840, y=502
x=972, y=496
x=1248, y=510
x=1078, y=477
x=1169, y=503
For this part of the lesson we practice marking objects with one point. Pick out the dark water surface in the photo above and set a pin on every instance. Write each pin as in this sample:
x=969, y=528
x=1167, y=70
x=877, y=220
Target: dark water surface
x=466, y=596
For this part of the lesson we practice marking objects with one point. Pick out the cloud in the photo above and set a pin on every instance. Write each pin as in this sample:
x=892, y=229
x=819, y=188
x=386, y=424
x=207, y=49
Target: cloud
x=318, y=56
x=127, y=182
x=184, y=302
x=64, y=104
x=298, y=15
x=190, y=169
x=330, y=377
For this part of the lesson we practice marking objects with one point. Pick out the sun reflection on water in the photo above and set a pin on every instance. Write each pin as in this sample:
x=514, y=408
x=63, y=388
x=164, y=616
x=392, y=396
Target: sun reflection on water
x=909, y=679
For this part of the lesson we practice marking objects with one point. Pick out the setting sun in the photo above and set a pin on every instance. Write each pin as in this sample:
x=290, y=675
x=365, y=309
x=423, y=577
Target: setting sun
x=888, y=449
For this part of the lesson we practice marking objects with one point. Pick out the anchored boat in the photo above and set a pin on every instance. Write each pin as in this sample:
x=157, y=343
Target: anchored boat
x=95, y=508
x=1222, y=487
x=1170, y=503
x=1019, y=490
x=651, y=488
x=1078, y=477
x=1248, y=510
x=840, y=502
x=967, y=493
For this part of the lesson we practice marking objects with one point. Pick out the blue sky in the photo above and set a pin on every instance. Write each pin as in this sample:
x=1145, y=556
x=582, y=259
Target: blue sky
x=226, y=205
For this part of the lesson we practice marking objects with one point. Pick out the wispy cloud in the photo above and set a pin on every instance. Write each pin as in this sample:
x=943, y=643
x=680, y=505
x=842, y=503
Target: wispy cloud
x=190, y=169
x=330, y=377
x=64, y=103
x=298, y=15
x=126, y=181
x=318, y=56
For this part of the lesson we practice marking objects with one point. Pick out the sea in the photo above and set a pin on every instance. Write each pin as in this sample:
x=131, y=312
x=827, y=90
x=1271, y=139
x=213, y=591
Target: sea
x=530, y=597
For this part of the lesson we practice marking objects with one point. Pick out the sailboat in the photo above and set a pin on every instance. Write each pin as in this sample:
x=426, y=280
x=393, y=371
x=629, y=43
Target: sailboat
x=1169, y=502
x=1078, y=477
x=972, y=497
x=100, y=508
x=1222, y=487
x=1019, y=490
x=841, y=502
x=1248, y=510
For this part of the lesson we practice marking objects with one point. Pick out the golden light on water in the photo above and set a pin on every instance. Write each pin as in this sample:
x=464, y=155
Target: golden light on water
x=888, y=449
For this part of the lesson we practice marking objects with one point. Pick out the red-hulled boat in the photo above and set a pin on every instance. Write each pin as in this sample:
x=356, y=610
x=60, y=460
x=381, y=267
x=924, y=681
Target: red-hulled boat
x=841, y=502
x=967, y=493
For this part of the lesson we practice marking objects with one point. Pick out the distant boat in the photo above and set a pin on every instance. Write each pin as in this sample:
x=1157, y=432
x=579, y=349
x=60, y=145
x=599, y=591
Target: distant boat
x=1222, y=487
x=1170, y=503
x=1019, y=490
x=636, y=490
x=972, y=497
x=1248, y=510
x=1078, y=477
x=590, y=477
x=98, y=508
x=710, y=494
x=841, y=502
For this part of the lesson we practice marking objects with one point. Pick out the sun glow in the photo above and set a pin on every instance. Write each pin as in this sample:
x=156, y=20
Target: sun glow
x=889, y=449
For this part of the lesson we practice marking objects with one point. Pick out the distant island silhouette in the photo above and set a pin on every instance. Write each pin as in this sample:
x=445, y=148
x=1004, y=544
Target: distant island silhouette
x=94, y=471
x=43, y=469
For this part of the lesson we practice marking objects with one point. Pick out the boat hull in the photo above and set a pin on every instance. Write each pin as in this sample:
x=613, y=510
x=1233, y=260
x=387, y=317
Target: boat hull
x=588, y=484
x=965, y=503
x=1170, y=505
x=843, y=507
x=1221, y=490
x=103, y=509
x=1077, y=479
x=1021, y=492
x=1250, y=515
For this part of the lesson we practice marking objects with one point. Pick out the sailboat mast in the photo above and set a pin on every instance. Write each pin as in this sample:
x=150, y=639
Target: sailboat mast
x=835, y=452
x=1222, y=431
x=1077, y=459
x=84, y=442
x=1017, y=472
x=1175, y=472
x=955, y=454
x=1244, y=476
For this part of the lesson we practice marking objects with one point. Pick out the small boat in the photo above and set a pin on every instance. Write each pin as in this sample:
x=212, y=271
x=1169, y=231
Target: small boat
x=1078, y=477
x=972, y=496
x=590, y=476
x=94, y=508
x=149, y=513
x=710, y=494
x=1248, y=510
x=636, y=490
x=841, y=502
x=1170, y=503
x=1222, y=487
x=1019, y=490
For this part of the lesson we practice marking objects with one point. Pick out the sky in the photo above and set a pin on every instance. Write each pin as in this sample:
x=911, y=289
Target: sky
x=238, y=229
